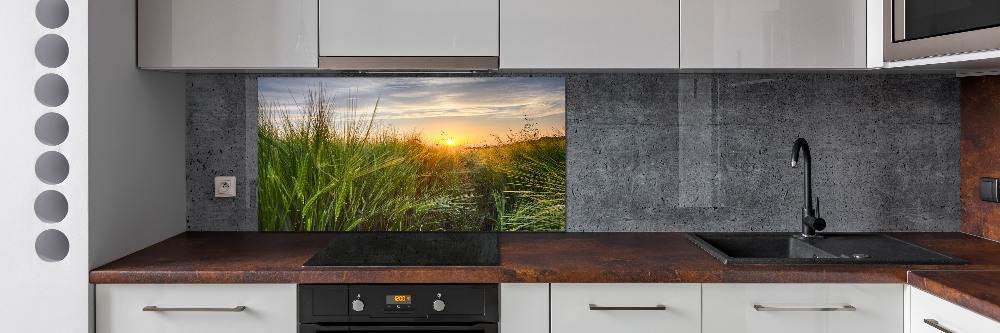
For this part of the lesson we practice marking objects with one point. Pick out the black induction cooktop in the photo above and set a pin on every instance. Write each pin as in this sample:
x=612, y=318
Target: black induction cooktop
x=409, y=249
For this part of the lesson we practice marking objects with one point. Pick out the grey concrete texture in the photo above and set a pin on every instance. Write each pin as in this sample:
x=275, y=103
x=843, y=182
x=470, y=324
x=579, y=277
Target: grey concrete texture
x=221, y=141
x=683, y=152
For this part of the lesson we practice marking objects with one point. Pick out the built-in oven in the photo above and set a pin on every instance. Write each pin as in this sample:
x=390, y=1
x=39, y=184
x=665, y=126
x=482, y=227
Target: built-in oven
x=926, y=28
x=388, y=308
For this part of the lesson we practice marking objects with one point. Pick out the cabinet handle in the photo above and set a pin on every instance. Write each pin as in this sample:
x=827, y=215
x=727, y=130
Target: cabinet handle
x=759, y=307
x=233, y=309
x=935, y=324
x=630, y=308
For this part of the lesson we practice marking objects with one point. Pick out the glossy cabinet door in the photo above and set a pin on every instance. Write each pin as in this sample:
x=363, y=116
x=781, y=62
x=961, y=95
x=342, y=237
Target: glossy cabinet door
x=268, y=308
x=802, y=308
x=946, y=315
x=626, y=307
x=589, y=34
x=774, y=34
x=409, y=28
x=227, y=34
x=524, y=308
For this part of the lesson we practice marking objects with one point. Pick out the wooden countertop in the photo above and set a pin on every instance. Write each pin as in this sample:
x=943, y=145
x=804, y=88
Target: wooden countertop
x=252, y=257
x=978, y=291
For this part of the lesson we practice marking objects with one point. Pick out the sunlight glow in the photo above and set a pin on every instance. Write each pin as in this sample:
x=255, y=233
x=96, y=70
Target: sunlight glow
x=450, y=142
x=473, y=111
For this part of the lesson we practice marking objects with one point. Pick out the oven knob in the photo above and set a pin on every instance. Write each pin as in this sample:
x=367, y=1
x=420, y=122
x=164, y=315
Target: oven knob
x=439, y=305
x=358, y=305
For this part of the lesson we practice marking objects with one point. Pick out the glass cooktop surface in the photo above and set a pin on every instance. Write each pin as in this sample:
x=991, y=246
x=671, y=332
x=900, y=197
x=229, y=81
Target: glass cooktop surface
x=409, y=249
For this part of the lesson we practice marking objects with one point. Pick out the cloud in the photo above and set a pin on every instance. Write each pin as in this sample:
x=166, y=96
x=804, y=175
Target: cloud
x=405, y=98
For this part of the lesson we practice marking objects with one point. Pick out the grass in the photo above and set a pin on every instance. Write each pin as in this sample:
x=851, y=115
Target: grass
x=344, y=172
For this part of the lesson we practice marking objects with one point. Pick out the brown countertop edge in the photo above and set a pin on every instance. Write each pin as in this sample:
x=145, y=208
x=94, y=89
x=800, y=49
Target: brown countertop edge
x=256, y=257
x=978, y=291
x=619, y=257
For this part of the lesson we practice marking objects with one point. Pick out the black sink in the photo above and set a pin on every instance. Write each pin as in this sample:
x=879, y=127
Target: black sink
x=787, y=248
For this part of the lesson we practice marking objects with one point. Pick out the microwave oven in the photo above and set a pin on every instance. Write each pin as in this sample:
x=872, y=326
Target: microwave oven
x=915, y=29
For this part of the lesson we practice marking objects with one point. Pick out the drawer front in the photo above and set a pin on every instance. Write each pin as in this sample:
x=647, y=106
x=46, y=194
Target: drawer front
x=949, y=316
x=730, y=308
x=616, y=303
x=269, y=308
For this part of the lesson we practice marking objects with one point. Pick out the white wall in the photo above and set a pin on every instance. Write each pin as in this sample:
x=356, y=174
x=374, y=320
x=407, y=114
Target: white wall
x=137, y=128
x=36, y=295
x=125, y=126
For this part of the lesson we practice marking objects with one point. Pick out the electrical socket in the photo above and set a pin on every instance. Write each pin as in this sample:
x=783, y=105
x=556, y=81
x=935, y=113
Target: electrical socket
x=225, y=186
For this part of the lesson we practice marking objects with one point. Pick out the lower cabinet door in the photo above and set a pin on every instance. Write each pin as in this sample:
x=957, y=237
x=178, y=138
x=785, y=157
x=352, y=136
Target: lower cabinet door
x=930, y=314
x=196, y=308
x=802, y=308
x=626, y=307
x=524, y=308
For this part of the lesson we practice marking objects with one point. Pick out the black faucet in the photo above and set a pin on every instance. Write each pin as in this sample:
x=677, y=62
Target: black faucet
x=810, y=222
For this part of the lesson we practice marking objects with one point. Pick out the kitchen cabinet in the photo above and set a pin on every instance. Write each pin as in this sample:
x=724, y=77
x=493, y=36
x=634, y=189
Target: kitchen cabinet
x=927, y=310
x=626, y=307
x=589, y=34
x=512, y=34
x=802, y=308
x=221, y=34
x=407, y=28
x=524, y=307
x=780, y=34
x=195, y=308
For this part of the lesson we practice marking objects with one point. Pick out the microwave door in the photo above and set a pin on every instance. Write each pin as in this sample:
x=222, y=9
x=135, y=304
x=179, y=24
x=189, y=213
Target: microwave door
x=914, y=29
x=916, y=19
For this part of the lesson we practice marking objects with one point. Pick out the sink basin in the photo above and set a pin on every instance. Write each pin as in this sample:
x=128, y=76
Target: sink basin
x=786, y=248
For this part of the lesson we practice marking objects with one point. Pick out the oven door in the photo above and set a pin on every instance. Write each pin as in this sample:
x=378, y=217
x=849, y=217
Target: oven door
x=472, y=328
x=927, y=28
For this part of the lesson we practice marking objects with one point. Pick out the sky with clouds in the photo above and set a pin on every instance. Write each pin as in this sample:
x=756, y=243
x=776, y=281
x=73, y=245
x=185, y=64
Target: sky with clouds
x=466, y=110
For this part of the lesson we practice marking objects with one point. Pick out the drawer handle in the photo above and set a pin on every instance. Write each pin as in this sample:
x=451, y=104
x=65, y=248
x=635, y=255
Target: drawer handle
x=759, y=307
x=628, y=308
x=234, y=309
x=935, y=324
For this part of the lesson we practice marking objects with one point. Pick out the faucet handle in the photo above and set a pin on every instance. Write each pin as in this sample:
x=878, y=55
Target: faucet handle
x=818, y=223
x=817, y=206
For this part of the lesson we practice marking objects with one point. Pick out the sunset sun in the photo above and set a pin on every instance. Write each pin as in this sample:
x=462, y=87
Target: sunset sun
x=450, y=142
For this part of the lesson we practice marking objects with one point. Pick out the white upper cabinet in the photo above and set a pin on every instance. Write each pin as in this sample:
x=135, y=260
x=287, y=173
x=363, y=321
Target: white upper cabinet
x=522, y=34
x=589, y=34
x=227, y=34
x=409, y=28
x=779, y=33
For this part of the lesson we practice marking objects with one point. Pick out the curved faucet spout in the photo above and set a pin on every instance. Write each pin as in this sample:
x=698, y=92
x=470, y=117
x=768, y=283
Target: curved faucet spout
x=803, y=146
x=810, y=222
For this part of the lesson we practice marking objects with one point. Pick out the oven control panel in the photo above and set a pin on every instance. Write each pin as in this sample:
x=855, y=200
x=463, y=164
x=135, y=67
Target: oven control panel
x=409, y=301
x=398, y=303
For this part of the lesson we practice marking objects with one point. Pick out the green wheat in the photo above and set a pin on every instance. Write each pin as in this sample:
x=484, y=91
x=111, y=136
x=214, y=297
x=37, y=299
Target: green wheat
x=331, y=171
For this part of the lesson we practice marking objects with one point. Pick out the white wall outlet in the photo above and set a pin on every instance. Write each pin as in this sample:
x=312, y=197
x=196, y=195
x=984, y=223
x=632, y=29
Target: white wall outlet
x=225, y=186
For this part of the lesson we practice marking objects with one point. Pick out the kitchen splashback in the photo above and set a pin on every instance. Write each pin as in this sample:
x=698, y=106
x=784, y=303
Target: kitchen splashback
x=411, y=154
x=980, y=112
x=681, y=152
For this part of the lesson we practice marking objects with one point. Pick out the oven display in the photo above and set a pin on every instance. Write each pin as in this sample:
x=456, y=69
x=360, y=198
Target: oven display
x=397, y=299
